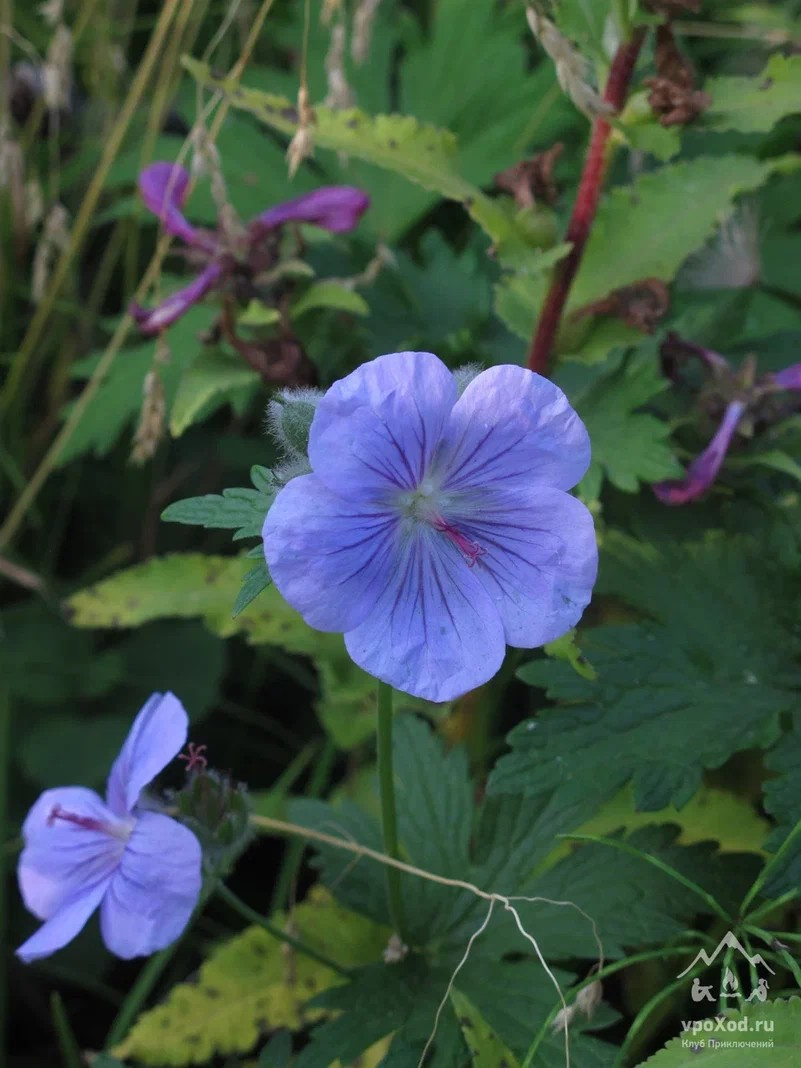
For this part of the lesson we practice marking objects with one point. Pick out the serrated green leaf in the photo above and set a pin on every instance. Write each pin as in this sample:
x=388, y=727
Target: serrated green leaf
x=747, y=1035
x=250, y=985
x=401, y=143
x=629, y=446
x=332, y=295
x=255, y=582
x=707, y=673
x=754, y=105
x=240, y=509
x=486, y=1049
x=653, y=225
x=211, y=379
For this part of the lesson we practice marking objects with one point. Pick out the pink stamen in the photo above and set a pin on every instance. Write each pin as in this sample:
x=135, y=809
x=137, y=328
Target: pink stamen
x=87, y=822
x=470, y=550
x=195, y=761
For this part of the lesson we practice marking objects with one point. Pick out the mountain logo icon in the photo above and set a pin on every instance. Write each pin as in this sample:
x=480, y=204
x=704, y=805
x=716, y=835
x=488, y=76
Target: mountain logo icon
x=729, y=941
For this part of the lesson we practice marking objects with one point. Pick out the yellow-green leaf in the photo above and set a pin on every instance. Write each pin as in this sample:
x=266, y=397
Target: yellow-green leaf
x=486, y=1048
x=253, y=984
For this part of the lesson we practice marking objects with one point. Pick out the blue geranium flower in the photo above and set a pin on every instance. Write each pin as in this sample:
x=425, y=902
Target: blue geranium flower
x=435, y=528
x=141, y=868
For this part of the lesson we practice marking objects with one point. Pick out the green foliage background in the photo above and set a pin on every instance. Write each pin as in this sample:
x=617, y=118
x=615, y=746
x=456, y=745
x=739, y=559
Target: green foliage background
x=634, y=786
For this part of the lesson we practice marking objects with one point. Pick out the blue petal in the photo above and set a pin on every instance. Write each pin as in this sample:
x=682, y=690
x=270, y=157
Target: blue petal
x=154, y=890
x=539, y=560
x=64, y=924
x=60, y=858
x=157, y=735
x=512, y=428
x=434, y=631
x=327, y=556
x=375, y=431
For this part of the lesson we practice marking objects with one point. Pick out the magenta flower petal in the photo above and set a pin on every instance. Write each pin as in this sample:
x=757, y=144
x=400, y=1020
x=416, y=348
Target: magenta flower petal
x=150, y=321
x=375, y=431
x=68, y=921
x=703, y=471
x=157, y=735
x=164, y=187
x=433, y=632
x=513, y=428
x=539, y=560
x=333, y=207
x=154, y=890
x=315, y=540
x=789, y=378
x=432, y=530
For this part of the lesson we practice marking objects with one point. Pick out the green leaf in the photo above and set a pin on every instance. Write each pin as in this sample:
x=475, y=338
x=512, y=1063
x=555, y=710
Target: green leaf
x=495, y=847
x=59, y=741
x=258, y=314
x=43, y=661
x=255, y=582
x=250, y=985
x=330, y=295
x=118, y=401
x=195, y=586
x=745, y=1029
x=240, y=509
x=486, y=1049
x=400, y=143
x=583, y=21
x=629, y=446
x=754, y=105
x=207, y=383
x=707, y=673
x=653, y=225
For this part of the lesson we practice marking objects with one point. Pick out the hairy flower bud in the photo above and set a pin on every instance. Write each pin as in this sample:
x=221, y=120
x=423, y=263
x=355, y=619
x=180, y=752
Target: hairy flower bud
x=289, y=419
x=217, y=810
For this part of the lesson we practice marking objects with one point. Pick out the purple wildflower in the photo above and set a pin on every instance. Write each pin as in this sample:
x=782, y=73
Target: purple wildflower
x=435, y=528
x=164, y=188
x=141, y=868
x=743, y=396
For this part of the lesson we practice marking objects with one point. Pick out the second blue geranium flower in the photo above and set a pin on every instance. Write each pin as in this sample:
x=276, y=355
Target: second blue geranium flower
x=436, y=528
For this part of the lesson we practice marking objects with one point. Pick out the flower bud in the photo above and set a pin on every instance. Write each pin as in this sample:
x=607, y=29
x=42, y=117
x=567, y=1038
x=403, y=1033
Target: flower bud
x=218, y=812
x=289, y=419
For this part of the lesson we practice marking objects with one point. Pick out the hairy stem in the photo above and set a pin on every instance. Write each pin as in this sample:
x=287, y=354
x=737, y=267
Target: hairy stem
x=585, y=206
x=389, y=821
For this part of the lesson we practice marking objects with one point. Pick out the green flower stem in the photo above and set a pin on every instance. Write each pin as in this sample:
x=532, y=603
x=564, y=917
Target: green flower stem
x=139, y=993
x=70, y=1051
x=249, y=914
x=389, y=820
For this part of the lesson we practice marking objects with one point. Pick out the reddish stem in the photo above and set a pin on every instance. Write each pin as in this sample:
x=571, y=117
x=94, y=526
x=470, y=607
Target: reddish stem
x=586, y=204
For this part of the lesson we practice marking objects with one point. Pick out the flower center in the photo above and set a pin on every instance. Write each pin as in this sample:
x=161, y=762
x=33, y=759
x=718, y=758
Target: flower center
x=420, y=505
x=118, y=829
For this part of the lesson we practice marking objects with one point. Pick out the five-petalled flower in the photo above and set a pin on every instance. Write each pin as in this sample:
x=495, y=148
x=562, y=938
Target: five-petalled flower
x=746, y=400
x=139, y=866
x=436, y=528
x=164, y=188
